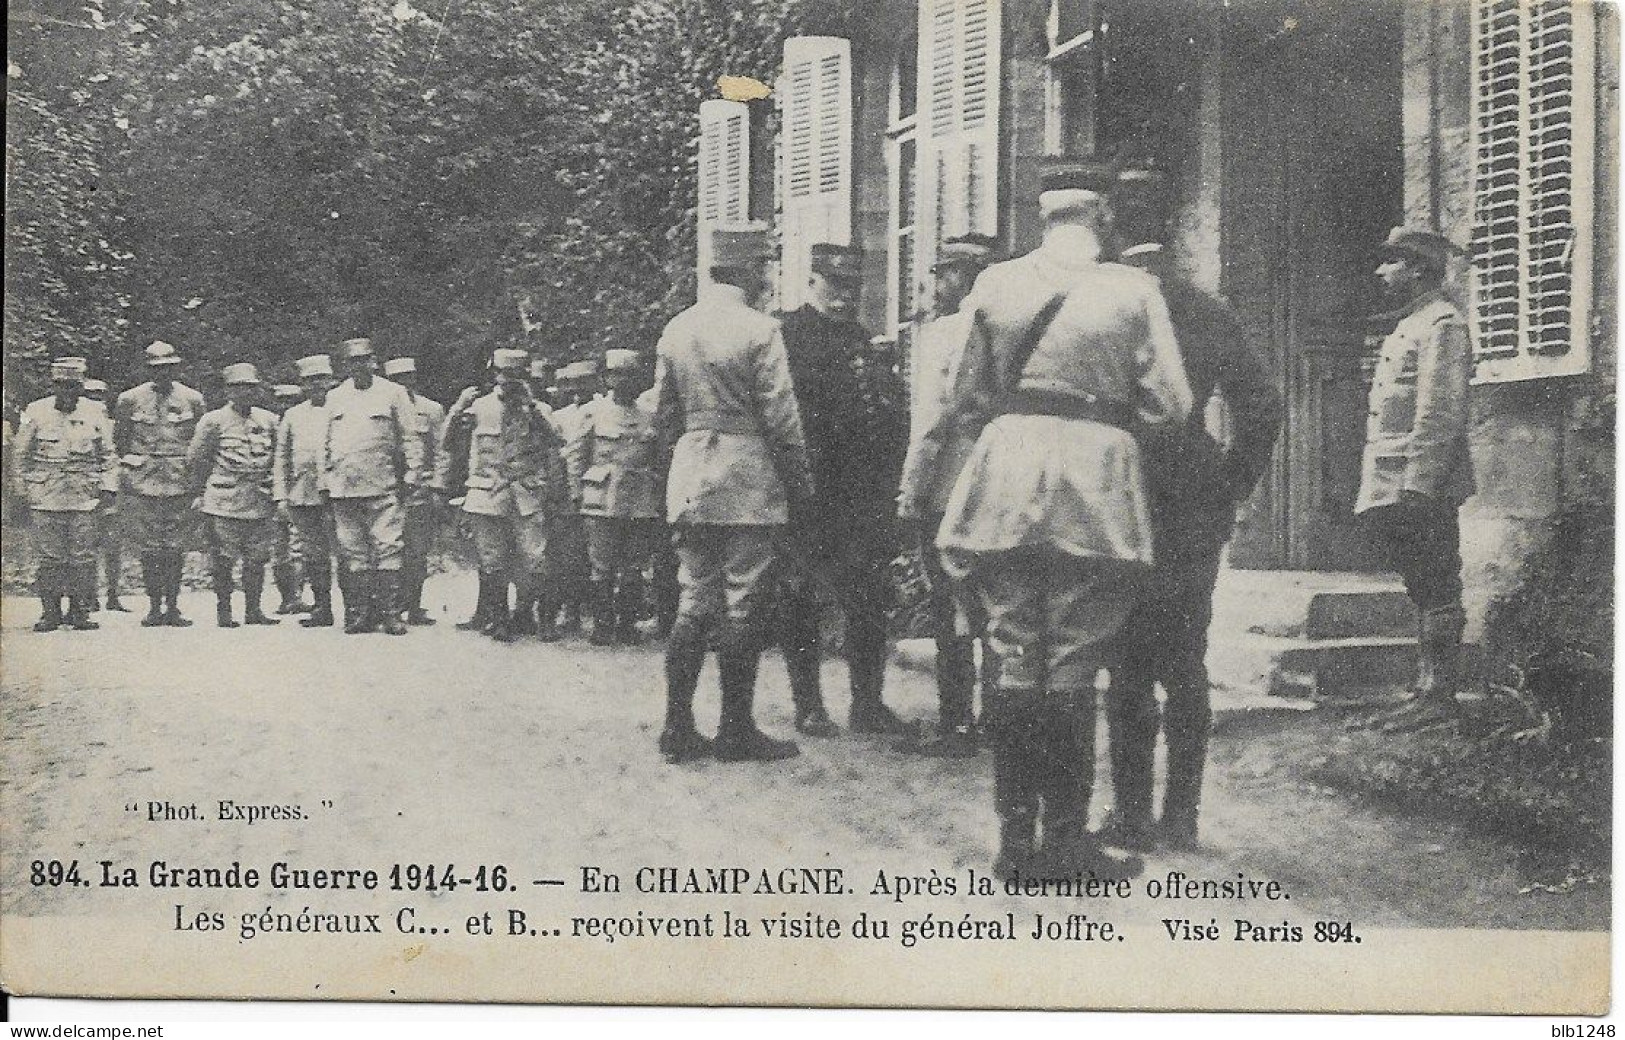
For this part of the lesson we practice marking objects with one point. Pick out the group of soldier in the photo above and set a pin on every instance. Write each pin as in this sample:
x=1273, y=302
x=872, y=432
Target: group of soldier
x=1051, y=460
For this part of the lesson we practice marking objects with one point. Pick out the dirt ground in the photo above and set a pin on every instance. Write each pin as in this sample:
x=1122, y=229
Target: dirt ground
x=443, y=746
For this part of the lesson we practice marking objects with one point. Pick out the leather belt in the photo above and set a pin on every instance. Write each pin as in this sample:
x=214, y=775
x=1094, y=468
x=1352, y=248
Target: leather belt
x=1071, y=406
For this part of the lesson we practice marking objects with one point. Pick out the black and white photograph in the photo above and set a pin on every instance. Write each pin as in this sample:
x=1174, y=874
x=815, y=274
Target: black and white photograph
x=1005, y=504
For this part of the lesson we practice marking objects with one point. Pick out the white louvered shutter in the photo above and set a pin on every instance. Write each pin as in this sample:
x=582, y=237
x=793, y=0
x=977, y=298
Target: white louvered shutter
x=1533, y=110
x=724, y=179
x=959, y=125
x=815, y=155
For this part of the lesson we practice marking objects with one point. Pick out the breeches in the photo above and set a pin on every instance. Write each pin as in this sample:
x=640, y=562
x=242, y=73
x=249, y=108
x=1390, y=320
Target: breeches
x=157, y=523
x=723, y=570
x=371, y=532
x=64, y=538
x=618, y=545
x=515, y=546
x=238, y=539
x=1423, y=542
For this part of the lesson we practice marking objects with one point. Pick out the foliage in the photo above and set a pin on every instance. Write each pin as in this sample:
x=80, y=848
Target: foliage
x=255, y=180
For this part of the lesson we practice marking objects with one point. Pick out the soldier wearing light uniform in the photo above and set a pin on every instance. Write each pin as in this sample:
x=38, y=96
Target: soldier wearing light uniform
x=420, y=504
x=726, y=411
x=614, y=461
x=517, y=491
x=229, y=462
x=572, y=559
x=372, y=458
x=153, y=425
x=64, y=465
x=286, y=559
x=1048, y=523
x=923, y=495
x=1416, y=470
x=108, y=535
x=297, y=483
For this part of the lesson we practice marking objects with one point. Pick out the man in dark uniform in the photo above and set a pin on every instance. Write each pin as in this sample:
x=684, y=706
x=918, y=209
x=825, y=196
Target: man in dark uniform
x=1195, y=487
x=854, y=412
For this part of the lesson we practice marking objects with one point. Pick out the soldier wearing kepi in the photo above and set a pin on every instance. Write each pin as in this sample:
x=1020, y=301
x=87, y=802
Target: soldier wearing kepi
x=297, y=483
x=288, y=555
x=64, y=463
x=1048, y=523
x=420, y=503
x=108, y=536
x=929, y=472
x=1195, y=489
x=153, y=425
x=613, y=461
x=1416, y=470
x=230, y=461
x=572, y=559
x=371, y=460
x=852, y=406
x=726, y=413
x=517, y=492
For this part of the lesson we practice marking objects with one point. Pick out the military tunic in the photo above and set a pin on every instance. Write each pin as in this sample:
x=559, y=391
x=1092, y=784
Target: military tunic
x=370, y=453
x=64, y=462
x=231, y=457
x=613, y=461
x=153, y=432
x=297, y=483
x=419, y=531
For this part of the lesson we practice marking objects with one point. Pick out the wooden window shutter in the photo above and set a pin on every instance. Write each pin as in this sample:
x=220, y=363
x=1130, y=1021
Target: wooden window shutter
x=959, y=79
x=815, y=145
x=724, y=176
x=1533, y=111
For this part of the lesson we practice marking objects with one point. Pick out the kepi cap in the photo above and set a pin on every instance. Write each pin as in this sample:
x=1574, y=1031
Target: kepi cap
x=400, y=366
x=504, y=360
x=161, y=353
x=576, y=371
x=740, y=245
x=621, y=360
x=287, y=391
x=1067, y=184
x=69, y=369
x=1424, y=243
x=95, y=386
x=240, y=374
x=837, y=261
x=314, y=365
x=961, y=250
x=358, y=347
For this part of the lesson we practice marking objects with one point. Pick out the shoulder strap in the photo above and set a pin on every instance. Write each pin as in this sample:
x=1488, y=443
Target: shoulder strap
x=1029, y=342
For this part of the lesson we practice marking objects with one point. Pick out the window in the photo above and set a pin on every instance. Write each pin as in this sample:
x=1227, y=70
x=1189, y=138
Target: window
x=901, y=154
x=1072, y=69
x=1532, y=188
x=815, y=144
x=724, y=175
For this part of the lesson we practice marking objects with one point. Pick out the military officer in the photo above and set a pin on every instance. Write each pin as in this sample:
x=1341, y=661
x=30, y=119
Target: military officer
x=153, y=425
x=1195, y=488
x=372, y=458
x=108, y=535
x=517, y=490
x=542, y=373
x=613, y=461
x=453, y=451
x=286, y=558
x=420, y=503
x=1048, y=523
x=297, y=483
x=1416, y=471
x=929, y=472
x=230, y=465
x=852, y=405
x=64, y=463
x=726, y=412
x=578, y=384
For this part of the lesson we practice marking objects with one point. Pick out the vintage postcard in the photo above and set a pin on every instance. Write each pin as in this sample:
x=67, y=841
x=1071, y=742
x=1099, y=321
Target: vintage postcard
x=1097, y=504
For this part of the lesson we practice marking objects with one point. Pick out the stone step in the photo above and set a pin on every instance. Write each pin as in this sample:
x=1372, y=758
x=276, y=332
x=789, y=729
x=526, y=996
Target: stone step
x=1342, y=615
x=1337, y=669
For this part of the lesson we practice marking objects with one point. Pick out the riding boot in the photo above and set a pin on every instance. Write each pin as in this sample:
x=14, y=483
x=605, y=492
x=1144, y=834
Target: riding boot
x=498, y=622
x=1132, y=721
x=391, y=605
x=522, y=620
x=482, y=606
x=1186, y=731
x=1011, y=726
x=1065, y=783
x=628, y=607
x=866, y=666
x=174, y=569
x=799, y=638
x=321, y=586
x=113, y=571
x=1438, y=671
x=738, y=739
x=282, y=578
x=81, y=590
x=253, y=593
x=685, y=657
x=152, y=579
x=955, y=735
x=546, y=610
x=359, y=616
x=221, y=570
x=603, y=612
x=48, y=583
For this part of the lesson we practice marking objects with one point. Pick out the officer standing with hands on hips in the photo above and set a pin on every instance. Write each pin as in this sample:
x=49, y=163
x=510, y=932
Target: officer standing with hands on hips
x=153, y=425
x=726, y=418
x=63, y=459
x=230, y=461
x=371, y=460
x=1048, y=523
x=297, y=483
x=1417, y=469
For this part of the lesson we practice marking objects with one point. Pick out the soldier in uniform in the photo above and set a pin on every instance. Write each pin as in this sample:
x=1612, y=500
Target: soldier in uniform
x=572, y=560
x=542, y=372
x=297, y=483
x=1195, y=488
x=852, y=405
x=153, y=425
x=613, y=460
x=108, y=535
x=230, y=462
x=726, y=412
x=1416, y=471
x=371, y=460
x=420, y=501
x=517, y=491
x=1048, y=523
x=929, y=472
x=64, y=464
x=287, y=556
